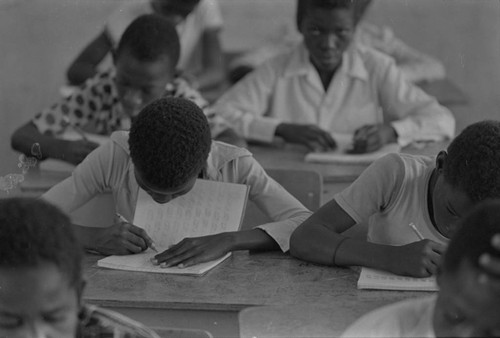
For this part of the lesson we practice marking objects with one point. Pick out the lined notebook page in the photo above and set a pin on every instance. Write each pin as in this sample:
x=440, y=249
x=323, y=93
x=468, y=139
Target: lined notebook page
x=341, y=155
x=209, y=208
x=381, y=280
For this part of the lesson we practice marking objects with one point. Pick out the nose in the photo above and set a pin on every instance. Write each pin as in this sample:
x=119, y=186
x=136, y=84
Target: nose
x=329, y=41
x=37, y=330
x=162, y=199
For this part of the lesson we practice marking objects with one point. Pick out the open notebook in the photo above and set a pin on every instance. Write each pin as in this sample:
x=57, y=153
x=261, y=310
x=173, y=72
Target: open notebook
x=341, y=153
x=209, y=208
x=375, y=279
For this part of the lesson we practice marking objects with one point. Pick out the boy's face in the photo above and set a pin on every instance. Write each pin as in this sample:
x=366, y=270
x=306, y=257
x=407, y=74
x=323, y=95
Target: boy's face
x=160, y=195
x=140, y=83
x=327, y=34
x=37, y=302
x=449, y=205
x=464, y=307
x=174, y=10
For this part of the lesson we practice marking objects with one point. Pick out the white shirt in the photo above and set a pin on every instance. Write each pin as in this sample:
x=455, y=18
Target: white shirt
x=366, y=89
x=390, y=194
x=408, y=318
x=205, y=16
x=110, y=168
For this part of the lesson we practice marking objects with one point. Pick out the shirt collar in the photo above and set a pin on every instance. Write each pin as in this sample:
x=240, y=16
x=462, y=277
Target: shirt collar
x=352, y=62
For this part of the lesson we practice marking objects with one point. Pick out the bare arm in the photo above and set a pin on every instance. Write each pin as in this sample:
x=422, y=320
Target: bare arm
x=86, y=63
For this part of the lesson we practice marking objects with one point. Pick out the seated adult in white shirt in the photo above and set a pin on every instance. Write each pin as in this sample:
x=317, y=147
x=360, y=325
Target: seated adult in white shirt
x=327, y=84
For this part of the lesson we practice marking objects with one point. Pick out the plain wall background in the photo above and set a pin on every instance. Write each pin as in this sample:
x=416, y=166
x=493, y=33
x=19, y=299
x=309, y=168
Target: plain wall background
x=39, y=38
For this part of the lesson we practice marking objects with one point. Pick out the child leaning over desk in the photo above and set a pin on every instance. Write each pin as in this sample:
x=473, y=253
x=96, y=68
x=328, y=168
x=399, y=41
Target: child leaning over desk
x=167, y=149
x=466, y=305
x=326, y=84
x=400, y=189
x=144, y=70
x=42, y=279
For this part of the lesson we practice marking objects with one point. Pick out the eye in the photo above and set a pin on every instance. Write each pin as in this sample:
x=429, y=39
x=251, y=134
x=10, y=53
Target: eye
x=10, y=322
x=55, y=317
x=314, y=31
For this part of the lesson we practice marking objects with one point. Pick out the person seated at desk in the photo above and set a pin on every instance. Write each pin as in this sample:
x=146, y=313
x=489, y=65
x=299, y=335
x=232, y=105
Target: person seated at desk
x=144, y=68
x=415, y=65
x=465, y=306
x=400, y=189
x=42, y=280
x=328, y=84
x=167, y=149
x=198, y=23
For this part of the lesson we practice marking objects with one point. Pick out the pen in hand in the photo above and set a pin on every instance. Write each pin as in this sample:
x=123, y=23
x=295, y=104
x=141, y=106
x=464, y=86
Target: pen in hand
x=151, y=244
x=415, y=230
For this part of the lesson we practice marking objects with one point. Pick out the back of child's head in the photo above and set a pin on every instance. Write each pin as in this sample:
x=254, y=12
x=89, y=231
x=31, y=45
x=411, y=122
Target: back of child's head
x=358, y=7
x=169, y=142
x=34, y=232
x=473, y=237
x=473, y=161
x=149, y=38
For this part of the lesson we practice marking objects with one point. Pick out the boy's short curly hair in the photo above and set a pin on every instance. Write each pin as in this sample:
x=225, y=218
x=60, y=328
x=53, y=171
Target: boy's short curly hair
x=358, y=7
x=170, y=142
x=34, y=232
x=473, y=237
x=149, y=38
x=473, y=161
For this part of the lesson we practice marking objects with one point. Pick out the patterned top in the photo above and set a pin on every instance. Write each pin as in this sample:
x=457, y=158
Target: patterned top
x=100, y=323
x=95, y=107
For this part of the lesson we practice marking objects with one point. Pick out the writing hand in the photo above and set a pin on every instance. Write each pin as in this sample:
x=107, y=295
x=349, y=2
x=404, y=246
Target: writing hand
x=372, y=137
x=75, y=151
x=491, y=264
x=417, y=259
x=309, y=135
x=122, y=238
x=191, y=251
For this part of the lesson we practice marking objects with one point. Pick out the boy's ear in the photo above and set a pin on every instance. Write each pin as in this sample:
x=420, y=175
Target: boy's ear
x=440, y=159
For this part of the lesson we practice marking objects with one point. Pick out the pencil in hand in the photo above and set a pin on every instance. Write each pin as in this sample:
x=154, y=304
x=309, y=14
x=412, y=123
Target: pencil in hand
x=415, y=230
x=149, y=241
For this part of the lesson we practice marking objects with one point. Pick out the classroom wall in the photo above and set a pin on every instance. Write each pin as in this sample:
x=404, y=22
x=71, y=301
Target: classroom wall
x=38, y=39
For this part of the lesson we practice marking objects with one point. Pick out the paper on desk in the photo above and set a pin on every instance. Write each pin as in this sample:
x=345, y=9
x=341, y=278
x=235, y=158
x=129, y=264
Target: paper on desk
x=70, y=135
x=340, y=155
x=376, y=279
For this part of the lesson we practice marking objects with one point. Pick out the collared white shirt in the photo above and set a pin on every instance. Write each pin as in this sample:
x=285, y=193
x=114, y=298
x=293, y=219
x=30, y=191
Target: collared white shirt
x=110, y=168
x=366, y=89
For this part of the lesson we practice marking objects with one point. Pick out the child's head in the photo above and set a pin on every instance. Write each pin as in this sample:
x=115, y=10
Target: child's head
x=145, y=61
x=327, y=27
x=169, y=146
x=40, y=270
x=465, y=306
x=467, y=174
x=174, y=10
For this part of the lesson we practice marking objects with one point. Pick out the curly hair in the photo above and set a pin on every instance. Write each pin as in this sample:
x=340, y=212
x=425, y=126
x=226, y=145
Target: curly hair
x=473, y=237
x=358, y=7
x=169, y=142
x=149, y=38
x=473, y=161
x=33, y=232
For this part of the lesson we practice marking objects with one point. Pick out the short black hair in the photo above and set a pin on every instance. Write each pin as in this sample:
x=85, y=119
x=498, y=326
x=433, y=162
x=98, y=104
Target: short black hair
x=358, y=7
x=34, y=232
x=473, y=237
x=473, y=161
x=170, y=141
x=149, y=38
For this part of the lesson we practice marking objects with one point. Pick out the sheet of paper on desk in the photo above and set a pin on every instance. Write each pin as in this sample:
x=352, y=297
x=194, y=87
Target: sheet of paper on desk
x=209, y=208
x=381, y=280
x=62, y=166
x=341, y=156
x=142, y=263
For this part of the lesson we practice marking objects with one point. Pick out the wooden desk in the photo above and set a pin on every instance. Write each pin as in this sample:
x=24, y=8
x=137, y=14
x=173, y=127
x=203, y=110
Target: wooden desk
x=211, y=302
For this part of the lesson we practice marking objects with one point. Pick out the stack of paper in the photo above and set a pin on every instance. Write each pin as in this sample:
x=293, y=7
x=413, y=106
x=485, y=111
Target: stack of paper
x=209, y=208
x=375, y=279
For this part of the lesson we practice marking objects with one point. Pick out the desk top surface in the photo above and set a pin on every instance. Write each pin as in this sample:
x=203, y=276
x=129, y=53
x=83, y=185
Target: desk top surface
x=241, y=281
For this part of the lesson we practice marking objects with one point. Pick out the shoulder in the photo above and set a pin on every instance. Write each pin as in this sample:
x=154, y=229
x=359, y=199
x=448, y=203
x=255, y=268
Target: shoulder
x=119, y=139
x=372, y=58
x=222, y=153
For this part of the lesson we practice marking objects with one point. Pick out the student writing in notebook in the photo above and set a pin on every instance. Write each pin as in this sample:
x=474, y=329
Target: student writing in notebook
x=143, y=71
x=167, y=149
x=328, y=84
x=399, y=189
x=198, y=22
x=42, y=280
x=465, y=306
